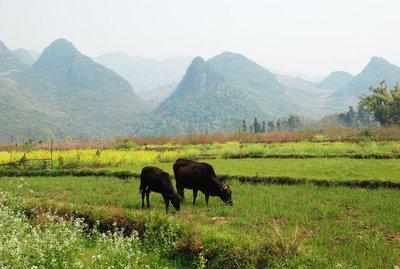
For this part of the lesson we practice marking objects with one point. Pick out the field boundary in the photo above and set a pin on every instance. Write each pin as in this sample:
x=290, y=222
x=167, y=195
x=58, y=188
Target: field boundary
x=303, y=156
x=279, y=180
x=282, y=180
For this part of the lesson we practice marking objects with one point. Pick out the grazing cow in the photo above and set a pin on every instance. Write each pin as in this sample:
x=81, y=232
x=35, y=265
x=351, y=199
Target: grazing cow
x=200, y=176
x=155, y=179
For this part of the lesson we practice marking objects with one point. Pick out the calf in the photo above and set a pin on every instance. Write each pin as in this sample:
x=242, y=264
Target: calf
x=155, y=179
x=200, y=176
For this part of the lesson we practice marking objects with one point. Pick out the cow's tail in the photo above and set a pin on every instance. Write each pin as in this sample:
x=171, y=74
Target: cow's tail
x=142, y=186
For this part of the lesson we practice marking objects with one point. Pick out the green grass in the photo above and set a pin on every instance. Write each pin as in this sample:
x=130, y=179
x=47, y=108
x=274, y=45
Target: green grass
x=340, y=227
x=316, y=168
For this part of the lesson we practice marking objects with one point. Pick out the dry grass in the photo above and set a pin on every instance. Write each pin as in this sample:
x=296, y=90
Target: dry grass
x=338, y=134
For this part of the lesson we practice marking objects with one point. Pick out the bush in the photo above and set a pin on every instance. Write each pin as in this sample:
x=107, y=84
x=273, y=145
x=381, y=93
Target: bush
x=126, y=145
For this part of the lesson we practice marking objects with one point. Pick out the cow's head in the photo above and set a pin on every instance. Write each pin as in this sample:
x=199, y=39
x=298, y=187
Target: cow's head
x=176, y=201
x=226, y=194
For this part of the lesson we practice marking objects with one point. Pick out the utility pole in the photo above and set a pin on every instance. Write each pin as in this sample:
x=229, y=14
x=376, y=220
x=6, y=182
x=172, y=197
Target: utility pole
x=51, y=154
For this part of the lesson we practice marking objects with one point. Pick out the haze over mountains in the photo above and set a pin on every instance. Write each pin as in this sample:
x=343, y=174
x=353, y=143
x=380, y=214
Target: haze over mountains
x=28, y=57
x=147, y=75
x=8, y=60
x=64, y=93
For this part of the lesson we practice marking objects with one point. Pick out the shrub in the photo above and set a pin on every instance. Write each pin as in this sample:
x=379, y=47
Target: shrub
x=126, y=145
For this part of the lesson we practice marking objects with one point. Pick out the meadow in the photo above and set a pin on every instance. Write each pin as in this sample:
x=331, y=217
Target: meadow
x=270, y=225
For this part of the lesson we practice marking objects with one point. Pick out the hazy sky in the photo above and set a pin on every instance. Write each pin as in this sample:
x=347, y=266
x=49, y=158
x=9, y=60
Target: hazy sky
x=309, y=36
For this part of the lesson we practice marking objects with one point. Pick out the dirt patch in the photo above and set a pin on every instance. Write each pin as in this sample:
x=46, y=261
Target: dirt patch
x=351, y=211
x=219, y=220
x=280, y=221
x=370, y=229
x=340, y=239
x=392, y=237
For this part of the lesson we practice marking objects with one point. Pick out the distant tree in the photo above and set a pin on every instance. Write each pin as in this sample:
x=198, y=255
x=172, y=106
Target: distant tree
x=294, y=122
x=244, y=126
x=263, y=126
x=349, y=118
x=284, y=124
x=384, y=104
x=271, y=126
x=278, y=125
x=256, y=126
x=364, y=117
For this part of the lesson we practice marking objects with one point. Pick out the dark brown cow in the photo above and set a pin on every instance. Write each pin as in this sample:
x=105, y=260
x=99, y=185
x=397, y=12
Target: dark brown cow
x=199, y=177
x=155, y=179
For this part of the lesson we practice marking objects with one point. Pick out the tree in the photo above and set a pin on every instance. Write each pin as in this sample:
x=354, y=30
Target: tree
x=263, y=126
x=349, y=118
x=244, y=126
x=278, y=125
x=271, y=126
x=384, y=104
x=284, y=124
x=364, y=117
x=294, y=122
x=256, y=126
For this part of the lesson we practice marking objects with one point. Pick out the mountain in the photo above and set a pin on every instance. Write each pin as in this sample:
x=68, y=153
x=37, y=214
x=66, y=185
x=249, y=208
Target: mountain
x=305, y=94
x=145, y=74
x=8, y=61
x=24, y=56
x=378, y=69
x=335, y=80
x=92, y=96
x=24, y=116
x=219, y=93
x=255, y=81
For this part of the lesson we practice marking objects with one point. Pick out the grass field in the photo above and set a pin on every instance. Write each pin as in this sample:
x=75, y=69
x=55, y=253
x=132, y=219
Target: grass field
x=315, y=168
x=271, y=225
x=337, y=227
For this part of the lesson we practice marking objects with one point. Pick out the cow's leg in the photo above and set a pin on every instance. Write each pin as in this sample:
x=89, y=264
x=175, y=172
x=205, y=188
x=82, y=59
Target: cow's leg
x=166, y=201
x=194, y=195
x=207, y=197
x=143, y=194
x=148, y=198
x=181, y=192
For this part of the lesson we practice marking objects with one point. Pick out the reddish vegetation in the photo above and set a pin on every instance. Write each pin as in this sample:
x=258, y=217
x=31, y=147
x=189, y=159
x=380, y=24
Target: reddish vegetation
x=339, y=134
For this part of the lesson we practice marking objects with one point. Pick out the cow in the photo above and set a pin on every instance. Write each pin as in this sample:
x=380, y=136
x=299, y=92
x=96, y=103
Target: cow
x=154, y=179
x=200, y=176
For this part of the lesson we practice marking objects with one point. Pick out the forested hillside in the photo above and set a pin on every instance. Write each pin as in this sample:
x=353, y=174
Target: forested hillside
x=91, y=100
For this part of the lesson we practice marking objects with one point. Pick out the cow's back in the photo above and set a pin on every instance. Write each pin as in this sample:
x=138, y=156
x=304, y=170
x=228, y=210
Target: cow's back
x=193, y=175
x=155, y=179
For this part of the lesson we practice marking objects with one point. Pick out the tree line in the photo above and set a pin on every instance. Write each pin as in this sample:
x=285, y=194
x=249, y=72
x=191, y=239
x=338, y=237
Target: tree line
x=293, y=122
